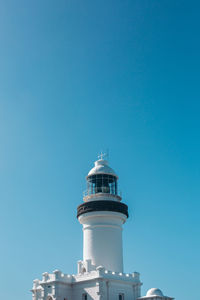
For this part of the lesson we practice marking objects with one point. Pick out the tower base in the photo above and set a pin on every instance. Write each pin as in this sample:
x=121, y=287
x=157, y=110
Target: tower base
x=98, y=284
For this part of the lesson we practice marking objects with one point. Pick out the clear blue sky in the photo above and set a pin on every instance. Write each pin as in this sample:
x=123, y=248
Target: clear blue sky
x=78, y=77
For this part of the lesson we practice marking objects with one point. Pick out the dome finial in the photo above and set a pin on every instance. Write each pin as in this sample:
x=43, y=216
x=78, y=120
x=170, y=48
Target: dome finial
x=103, y=156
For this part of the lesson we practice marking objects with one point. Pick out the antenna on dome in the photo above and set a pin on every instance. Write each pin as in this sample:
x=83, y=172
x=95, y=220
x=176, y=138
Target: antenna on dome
x=103, y=156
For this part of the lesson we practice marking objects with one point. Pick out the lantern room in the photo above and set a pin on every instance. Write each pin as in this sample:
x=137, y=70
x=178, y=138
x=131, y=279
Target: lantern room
x=102, y=179
x=102, y=183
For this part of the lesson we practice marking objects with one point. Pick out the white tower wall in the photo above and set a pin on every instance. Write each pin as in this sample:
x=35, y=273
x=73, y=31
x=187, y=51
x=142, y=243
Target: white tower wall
x=102, y=239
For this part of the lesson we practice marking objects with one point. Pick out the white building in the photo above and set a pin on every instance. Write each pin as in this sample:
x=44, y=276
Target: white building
x=100, y=275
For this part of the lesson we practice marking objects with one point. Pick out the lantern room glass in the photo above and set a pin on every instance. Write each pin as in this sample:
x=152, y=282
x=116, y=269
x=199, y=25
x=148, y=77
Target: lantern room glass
x=102, y=183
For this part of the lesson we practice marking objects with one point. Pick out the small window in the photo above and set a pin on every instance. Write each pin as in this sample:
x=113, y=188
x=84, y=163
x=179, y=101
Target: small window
x=83, y=270
x=121, y=296
x=84, y=297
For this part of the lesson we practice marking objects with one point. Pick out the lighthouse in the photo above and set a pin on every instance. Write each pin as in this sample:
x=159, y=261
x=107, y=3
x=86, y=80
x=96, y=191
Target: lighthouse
x=102, y=216
x=100, y=274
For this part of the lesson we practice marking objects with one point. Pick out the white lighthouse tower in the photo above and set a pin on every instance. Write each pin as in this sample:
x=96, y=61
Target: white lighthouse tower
x=100, y=273
x=102, y=216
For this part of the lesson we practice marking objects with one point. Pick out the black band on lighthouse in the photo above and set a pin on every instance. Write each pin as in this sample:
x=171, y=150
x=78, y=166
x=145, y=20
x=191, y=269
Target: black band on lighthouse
x=102, y=205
